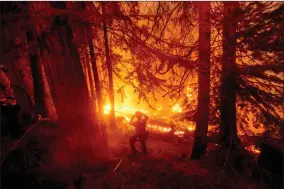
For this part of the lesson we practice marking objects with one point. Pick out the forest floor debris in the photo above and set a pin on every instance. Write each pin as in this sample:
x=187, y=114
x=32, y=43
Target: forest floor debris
x=162, y=169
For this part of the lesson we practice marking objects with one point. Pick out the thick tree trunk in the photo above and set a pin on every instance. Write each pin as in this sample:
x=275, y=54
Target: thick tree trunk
x=79, y=136
x=93, y=73
x=228, y=128
x=109, y=68
x=39, y=94
x=66, y=78
x=200, y=135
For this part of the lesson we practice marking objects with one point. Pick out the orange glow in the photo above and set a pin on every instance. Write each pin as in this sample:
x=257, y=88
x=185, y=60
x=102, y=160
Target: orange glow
x=127, y=118
x=179, y=133
x=122, y=110
x=188, y=92
x=191, y=128
x=176, y=108
x=159, y=128
x=107, y=109
x=253, y=149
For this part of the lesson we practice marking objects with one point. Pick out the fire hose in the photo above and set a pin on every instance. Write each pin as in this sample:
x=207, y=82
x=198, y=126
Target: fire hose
x=16, y=144
x=118, y=164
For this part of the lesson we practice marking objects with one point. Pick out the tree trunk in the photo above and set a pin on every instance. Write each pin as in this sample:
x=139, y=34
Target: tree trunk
x=109, y=68
x=66, y=77
x=97, y=82
x=200, y=135
x=37, y=75
x=92, y=82
x=95, y=71
x=86, y=73
x=228, y=128
x=89, y=78
x=79, y=138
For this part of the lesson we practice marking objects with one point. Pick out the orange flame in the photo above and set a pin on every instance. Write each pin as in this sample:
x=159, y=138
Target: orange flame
x=253, y=149
x=107, y=109
x=123, y=109
x=191, y=128
x=176, y=108
x=128, y=110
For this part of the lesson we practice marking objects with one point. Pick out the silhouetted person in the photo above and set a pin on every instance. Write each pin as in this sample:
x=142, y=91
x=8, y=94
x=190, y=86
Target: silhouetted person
x=139, y=121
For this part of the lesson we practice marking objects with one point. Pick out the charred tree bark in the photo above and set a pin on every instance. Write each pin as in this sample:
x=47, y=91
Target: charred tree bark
x=200, y=135
x=109, y=68
x=228, y=129
x=39, y=93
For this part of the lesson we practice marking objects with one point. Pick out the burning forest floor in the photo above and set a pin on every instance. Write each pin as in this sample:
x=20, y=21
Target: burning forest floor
x=162, y=168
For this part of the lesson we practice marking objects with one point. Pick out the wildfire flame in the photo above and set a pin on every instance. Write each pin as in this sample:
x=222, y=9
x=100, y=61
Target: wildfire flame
x=127, y=118
x=253, y=149
x=107, y=109
x=179, y=133
x=191, y=128
x=164, y=129
x=159, y=128
x=176, y=108
x=124, y=110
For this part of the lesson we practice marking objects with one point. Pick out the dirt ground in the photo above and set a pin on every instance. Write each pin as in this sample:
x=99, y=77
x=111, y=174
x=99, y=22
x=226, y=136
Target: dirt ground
x=162, y=168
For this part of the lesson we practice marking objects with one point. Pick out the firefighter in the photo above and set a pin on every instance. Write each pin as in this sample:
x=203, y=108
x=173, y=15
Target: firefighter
x=139, y=121
x=9, y=107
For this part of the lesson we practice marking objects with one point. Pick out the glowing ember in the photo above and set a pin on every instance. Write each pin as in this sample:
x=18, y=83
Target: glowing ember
x=253, y=149
x=176, y=108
